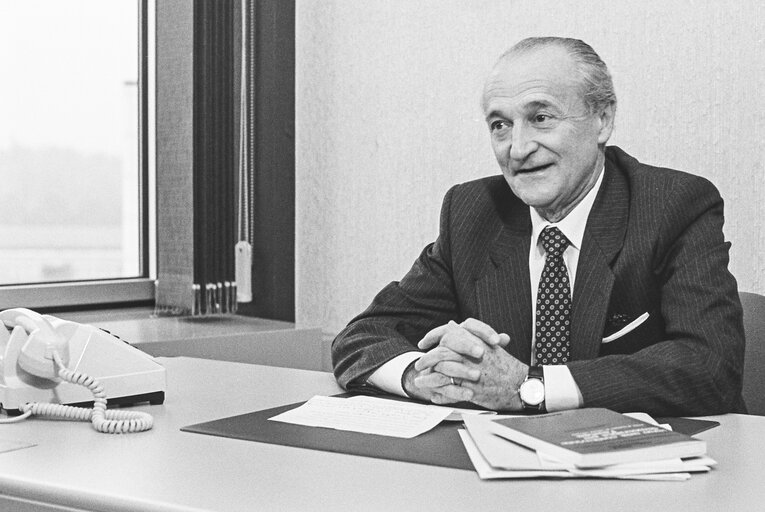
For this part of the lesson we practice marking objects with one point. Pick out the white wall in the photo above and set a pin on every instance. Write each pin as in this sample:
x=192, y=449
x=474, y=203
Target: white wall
x=388, y=118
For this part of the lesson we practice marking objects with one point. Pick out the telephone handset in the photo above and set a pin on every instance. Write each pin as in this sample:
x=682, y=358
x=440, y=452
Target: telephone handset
x=44, y=359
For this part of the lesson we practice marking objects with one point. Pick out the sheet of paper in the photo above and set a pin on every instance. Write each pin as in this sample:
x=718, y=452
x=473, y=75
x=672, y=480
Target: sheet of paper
x=7, y=445
x=644, y=417
x=455, y=414
x=370, y=415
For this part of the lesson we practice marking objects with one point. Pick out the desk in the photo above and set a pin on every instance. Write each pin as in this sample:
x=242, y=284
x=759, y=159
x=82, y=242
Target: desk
x=169, y=470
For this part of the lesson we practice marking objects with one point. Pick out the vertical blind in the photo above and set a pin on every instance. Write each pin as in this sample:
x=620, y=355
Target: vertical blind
x=198, y=276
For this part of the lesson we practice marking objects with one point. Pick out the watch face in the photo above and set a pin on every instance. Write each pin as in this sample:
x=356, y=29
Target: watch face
x=532, y=392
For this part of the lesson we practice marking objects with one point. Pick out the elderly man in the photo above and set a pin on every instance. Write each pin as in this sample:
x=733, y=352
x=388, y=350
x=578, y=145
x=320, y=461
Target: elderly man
x=578, y=278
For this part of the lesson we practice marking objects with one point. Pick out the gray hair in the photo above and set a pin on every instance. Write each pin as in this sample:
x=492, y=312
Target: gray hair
x=596, y=84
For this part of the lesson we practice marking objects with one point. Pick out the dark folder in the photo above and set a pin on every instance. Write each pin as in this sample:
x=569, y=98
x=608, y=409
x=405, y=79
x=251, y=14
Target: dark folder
x=440, y=446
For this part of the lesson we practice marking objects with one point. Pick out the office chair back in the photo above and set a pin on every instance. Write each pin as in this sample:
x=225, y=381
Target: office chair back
x=754, y=362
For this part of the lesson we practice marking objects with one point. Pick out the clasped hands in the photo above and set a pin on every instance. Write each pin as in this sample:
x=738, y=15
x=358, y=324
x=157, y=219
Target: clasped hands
x=467, y=362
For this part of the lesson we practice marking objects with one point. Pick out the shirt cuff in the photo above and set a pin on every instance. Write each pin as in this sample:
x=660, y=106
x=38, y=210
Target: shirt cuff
x=561, y=391
x=388, y=376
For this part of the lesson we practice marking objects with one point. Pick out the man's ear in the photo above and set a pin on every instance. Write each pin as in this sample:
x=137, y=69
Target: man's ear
x=606, y=119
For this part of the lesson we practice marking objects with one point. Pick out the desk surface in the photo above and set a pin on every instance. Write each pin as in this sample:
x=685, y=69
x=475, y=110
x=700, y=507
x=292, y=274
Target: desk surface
x=169, y=470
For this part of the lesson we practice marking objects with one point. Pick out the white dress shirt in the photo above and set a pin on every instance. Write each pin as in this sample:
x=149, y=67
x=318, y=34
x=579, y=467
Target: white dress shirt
x=561, y=392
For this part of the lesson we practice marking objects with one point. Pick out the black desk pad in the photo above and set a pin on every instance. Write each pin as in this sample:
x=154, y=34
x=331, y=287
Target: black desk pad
x=689, y=426
x=440, y=446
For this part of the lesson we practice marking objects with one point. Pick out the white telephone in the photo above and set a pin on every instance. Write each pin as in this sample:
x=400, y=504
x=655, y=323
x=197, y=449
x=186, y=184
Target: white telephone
x=47, y=364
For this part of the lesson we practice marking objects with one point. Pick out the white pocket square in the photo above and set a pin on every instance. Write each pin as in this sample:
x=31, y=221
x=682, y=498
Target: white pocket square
x=627, y=328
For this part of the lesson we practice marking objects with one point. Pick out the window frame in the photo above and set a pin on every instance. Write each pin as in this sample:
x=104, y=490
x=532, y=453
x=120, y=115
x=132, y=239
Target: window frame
x=133, y=290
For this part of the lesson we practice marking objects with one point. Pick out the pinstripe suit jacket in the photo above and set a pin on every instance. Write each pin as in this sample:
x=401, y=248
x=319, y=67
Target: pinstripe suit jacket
x=653, y=243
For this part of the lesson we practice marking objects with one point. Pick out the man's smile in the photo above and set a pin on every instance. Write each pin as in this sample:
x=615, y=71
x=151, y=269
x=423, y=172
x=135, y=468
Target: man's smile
x=532, y=168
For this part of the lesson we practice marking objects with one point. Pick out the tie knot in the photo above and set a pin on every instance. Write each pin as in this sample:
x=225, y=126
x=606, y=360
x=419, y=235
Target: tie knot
x=553, y=241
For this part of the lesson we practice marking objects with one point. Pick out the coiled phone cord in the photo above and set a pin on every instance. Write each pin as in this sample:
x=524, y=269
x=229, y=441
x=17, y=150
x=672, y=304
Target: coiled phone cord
x=111, y=422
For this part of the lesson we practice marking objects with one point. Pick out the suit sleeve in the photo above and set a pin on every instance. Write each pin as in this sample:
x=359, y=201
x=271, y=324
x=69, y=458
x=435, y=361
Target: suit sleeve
x=401, y=313
x=697, y=368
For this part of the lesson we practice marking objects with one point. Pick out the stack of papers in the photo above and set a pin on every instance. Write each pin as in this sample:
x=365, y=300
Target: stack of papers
x=496, y=457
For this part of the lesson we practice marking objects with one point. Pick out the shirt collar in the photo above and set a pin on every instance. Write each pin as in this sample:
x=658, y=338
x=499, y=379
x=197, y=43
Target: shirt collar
x=573, y=224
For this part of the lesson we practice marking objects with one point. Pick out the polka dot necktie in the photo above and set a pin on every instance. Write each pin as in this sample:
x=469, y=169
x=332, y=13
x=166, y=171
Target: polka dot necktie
x=553, y=311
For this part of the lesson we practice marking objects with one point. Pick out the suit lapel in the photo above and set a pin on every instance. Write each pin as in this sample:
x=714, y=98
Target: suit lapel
x=603, y=239
x=503, y=289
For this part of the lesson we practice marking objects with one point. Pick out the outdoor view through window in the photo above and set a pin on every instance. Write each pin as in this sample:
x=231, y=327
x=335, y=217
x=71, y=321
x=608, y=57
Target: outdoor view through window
x=69, y=164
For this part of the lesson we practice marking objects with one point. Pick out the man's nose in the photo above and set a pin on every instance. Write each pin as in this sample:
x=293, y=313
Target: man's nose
x=523, y=142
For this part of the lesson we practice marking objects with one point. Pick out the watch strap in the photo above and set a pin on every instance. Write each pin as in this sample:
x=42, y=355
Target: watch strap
x=536, y=372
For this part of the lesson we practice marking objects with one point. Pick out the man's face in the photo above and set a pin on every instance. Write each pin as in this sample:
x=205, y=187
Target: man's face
x=546, y=142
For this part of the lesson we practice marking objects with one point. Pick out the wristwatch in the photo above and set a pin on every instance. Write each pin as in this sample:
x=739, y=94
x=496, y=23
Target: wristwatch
x=532, y=390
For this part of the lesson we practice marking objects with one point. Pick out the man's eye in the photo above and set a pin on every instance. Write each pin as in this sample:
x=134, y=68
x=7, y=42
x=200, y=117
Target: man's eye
x=499, y=125
x=541, y=118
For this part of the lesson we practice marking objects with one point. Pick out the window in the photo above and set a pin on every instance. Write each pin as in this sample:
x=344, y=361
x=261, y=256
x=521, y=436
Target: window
x=73, y=160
